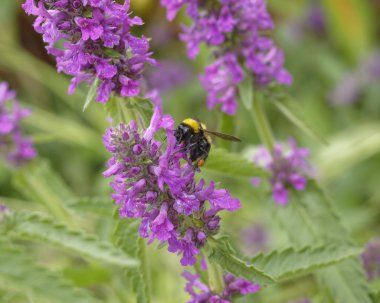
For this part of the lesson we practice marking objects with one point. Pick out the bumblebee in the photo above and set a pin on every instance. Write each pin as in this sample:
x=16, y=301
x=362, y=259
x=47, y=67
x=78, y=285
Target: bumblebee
x=196, y=139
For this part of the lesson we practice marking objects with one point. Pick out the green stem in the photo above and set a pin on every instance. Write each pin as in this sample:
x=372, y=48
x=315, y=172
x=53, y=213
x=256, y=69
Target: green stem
x=262, y=125
x=145, y=269
x=215, y=276
x=226, y=126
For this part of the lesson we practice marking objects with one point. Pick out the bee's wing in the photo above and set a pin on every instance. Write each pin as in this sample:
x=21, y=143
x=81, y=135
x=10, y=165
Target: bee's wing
x=222, y=136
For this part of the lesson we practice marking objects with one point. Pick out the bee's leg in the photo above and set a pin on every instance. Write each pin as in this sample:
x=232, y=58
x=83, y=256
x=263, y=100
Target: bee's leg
x=202, y=156
x=188, y=147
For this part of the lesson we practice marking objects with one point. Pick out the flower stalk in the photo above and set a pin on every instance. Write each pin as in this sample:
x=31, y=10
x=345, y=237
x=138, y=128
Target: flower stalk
x=261, y=122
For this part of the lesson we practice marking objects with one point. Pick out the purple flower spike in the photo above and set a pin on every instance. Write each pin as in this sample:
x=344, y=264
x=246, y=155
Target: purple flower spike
x=289, y=169
x=158, y=186
x=97, y=43
x=201, y=293
x=234, y=30
x=13, y=145
x=220, y=81
x=371, y=259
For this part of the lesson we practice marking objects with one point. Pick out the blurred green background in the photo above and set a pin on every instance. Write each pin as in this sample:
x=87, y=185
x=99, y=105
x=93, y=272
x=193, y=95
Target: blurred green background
x=332, y=49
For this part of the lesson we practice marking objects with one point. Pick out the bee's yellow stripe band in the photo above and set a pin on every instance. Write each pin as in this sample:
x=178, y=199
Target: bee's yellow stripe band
x=194, y=124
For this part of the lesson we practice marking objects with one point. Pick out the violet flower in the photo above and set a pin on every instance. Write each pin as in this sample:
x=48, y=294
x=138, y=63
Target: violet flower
x=354, y=83
x=289, y=169
x=157, y=185
x=4, y=212
x=220, y=80
x=97, y=43
x=201, y=293
x=254, y=239
x=316, y=19
x=16, y=148
x=234, y=30
x=176, y=74
x=371, y=259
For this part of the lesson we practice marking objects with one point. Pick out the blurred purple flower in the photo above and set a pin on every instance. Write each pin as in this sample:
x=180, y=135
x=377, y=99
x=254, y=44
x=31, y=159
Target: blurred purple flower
x=97, y=43
x=201, y=293
x=159, y=187
x=254, y=239
x=234, y=30
x=316, y=18
x=371, y=259
x=354, y=83
x=288, y=169
x=4, y=212
x=168, y=75
x=3, y=208
x=16, y=148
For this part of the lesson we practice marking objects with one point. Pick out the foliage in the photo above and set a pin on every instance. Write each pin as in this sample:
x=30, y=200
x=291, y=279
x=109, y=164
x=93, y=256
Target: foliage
x=61, y=237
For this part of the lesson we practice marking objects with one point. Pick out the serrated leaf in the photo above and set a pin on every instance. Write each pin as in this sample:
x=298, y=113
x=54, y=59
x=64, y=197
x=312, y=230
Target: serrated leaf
x=246, y=91
x=290, y=110
x=346, y=282
x=290, y=262
x=20, y=273
x=35, y=226
x=127, y=237
x=231, y=164
x=103, y=206
x=221, y=253
x=91, y=94
x=314, y=221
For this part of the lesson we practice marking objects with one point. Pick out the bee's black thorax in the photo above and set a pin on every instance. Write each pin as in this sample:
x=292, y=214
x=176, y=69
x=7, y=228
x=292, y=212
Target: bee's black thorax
x=195, y=141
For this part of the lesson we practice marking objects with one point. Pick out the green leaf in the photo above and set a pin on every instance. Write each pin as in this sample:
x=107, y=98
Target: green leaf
x=111, y=53
x=65, y=129
x=285, y=104
x=124, y=110
x=91, y=93
x=20, y=273
x=375, y=286
x=290, y=262
x=376, y=295
x=346, y=282
x=35, y=226
x=246, y=91
x=103, y=206
x=39, y=183
x=220, y=252
x=349, y=148
x=127, y=237
x=314, y=221
x=231, y=164
x=143, y=107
